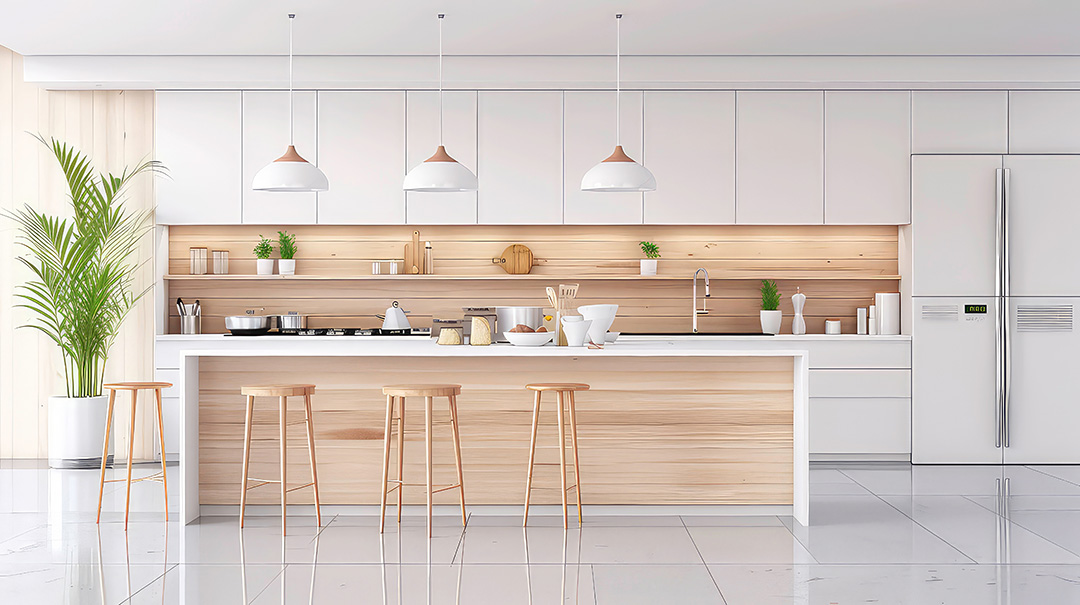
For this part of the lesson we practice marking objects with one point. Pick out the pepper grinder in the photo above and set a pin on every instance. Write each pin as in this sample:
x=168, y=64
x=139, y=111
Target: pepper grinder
x=798, y=300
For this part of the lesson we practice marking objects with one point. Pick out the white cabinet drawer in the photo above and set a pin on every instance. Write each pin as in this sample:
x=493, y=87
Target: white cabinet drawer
x=860, y=426
x=846, y=354
x=860, y=383
x=167, y=354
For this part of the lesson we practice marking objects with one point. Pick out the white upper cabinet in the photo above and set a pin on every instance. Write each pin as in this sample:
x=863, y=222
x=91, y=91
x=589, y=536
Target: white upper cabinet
x=422, y=138
x=959, y=122
x=362, y=152
x=589, y=135
x=197, y=137
x=780, y=153
x=519, y=158
x=265, y=138
x=867, y=158
x=690, y=149
x=1044, y=122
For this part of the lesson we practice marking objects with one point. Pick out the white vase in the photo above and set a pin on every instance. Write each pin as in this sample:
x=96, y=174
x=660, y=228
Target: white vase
x=77, y=431
x=648, y=266
x=287, y=266
x=770, y=321
x=264, y=266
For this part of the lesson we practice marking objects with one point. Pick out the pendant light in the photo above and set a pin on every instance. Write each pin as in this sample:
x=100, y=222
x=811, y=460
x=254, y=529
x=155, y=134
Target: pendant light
x=290, y=172
x=618, y=172
x=440, y=172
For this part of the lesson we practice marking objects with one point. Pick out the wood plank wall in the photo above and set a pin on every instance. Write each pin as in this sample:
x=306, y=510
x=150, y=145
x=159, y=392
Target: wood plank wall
x=702, y=430
x=116, y=128
x=839, y=268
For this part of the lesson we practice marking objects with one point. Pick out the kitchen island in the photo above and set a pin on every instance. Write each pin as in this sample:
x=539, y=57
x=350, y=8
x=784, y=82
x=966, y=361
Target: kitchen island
x=670, y=425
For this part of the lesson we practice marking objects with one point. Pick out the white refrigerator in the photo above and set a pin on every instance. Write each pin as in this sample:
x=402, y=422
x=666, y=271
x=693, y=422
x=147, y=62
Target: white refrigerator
x=995, y=283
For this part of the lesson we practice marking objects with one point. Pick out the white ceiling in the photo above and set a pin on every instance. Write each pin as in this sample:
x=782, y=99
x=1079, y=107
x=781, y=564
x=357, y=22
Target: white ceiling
x=550, y=27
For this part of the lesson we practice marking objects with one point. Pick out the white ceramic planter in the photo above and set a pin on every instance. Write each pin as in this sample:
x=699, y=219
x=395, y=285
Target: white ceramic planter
x=264, y=266
x=77, y=431
x=648, y=266
x=287, y=266
x=770, y=321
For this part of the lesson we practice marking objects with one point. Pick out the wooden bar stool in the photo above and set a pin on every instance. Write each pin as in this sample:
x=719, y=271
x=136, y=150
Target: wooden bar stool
x=282, y=392
x=134, y=388
x=398, y=393
x=565, y=392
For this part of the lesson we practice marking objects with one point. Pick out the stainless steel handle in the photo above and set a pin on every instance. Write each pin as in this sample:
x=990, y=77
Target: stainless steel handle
x=1006, y=312
x=1007, y=329
x=999, y=320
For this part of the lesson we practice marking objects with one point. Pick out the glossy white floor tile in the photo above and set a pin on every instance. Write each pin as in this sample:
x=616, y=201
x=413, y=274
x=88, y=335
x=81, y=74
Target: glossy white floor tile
x=880, y=533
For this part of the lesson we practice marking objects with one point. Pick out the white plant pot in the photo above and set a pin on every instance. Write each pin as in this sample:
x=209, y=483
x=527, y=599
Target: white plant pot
x=77, y=431
x=287, y=266
x=264, y=266
x=770, y=321
x=648, y=266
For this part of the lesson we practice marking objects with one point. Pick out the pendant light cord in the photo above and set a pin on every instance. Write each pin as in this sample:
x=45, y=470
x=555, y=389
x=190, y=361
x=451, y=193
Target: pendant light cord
x=441, y=15
x=618, y=77
x=291, y=17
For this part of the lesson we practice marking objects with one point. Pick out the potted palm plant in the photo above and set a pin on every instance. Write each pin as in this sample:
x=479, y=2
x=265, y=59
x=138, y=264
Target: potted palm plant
x=771, y=315
x=82, y=287
x=264, y=265
x=287, y=249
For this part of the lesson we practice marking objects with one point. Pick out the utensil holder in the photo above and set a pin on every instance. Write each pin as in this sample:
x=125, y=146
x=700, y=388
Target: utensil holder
x=191, y=324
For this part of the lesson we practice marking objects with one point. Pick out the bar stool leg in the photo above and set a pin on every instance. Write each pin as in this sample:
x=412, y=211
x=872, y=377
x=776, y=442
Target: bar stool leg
x=247, y=456
x=562, y=459
x=430, y=494
x=577, y=468
x=311, y=454
x=105, y=452
x=532, y=456
x=131, y=452
x=386, y=461
x=457, y=455
x=161, y=442
x=400, y=458
x=282, y=407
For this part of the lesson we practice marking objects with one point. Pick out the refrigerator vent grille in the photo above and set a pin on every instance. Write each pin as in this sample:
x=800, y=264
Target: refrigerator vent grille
x=1044, y=318
x=941, y=312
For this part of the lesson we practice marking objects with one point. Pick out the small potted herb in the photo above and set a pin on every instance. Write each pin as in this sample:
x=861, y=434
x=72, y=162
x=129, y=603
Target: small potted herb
x=287, y=248
x=264, y=265
x=652, y=252
x=770, y=308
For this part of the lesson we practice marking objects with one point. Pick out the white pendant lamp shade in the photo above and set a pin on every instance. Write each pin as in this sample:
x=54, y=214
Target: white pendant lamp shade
x=440, y=172
x=618, y=172
x=290, y=172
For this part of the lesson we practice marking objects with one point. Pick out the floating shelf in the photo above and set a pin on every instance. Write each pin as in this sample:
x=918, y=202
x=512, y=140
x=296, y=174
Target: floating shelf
x=550, y=278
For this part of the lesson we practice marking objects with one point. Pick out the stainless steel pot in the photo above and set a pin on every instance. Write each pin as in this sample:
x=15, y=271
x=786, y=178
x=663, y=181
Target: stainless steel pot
x=291, y=322
x=506, y=318
x=248, y=324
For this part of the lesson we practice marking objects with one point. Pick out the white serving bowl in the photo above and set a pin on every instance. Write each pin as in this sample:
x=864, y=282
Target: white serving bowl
x=611, y=336
x=529, y=339
x=602, y=316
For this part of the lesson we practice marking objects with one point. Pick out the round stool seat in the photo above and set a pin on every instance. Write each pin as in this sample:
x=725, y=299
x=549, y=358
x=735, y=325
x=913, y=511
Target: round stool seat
x=557, y=386
x=422, y=390
x=135, y=386
x=278, y=390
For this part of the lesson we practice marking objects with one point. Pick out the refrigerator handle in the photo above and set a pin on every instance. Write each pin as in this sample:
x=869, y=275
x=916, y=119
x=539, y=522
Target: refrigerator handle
x=999, y=321
x=1006, y=313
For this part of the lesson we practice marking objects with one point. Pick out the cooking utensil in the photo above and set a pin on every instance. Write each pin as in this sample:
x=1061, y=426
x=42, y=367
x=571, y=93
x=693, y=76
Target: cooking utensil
x=180, y=306
x=395, y=318
x=198, y=307
x=517, y=259
x=291, y=322
x=248, y=324
x=567, y=292
x=553, y=298
x=507, y=318
x=416, y=264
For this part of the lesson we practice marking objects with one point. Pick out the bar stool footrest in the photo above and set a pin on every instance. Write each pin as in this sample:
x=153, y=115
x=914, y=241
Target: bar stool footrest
x=293, y=489
x=158, y=476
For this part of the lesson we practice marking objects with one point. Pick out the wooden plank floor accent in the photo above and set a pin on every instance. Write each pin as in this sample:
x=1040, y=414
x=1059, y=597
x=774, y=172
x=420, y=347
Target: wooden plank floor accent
x=851, y=258
x=714, y=430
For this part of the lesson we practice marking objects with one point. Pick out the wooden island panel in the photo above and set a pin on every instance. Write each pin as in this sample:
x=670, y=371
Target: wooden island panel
x=653, y=430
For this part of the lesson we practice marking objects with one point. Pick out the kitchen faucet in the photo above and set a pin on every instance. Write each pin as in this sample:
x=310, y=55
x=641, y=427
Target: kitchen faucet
x=702, y=310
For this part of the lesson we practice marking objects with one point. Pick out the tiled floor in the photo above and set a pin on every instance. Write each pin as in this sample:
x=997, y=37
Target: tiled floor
x=880, y=534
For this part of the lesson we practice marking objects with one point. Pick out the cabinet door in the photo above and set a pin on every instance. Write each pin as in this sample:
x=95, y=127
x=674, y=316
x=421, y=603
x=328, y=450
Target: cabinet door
x=362, y=150
x=780, y=156
x=867, y=158
x=421, y=139
x=1044, y=122
x=589, y=135
x=519, y=158
x=690, y=149
x=959, y=122
x=266, y=136
x=197, y=137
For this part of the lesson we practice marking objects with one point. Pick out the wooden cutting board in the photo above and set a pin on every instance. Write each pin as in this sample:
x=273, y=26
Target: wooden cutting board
x=516, y=259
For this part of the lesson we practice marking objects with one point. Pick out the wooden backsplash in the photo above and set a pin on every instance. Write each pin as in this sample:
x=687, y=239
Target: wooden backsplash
x=839, y=268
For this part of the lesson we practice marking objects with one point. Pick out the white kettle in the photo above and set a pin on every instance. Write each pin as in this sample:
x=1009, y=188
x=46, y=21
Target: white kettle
x=395, y=318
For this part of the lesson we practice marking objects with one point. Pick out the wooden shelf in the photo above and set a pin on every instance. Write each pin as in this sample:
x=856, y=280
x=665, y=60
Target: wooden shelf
x=551, y=278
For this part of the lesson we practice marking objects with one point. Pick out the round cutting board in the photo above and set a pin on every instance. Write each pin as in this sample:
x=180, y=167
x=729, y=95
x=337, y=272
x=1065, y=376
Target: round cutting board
x=516, y=259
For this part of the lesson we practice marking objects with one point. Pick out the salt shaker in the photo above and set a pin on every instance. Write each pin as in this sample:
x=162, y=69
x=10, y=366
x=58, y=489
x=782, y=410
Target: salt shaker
x=798, y=300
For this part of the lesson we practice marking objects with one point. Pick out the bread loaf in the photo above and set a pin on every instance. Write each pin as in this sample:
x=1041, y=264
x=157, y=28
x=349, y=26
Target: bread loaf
x=481, y=332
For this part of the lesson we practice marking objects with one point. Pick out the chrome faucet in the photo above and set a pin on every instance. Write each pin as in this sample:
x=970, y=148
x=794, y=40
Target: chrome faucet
x=702, y=310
